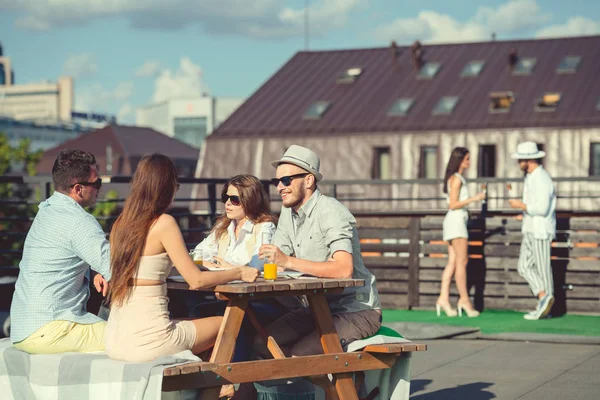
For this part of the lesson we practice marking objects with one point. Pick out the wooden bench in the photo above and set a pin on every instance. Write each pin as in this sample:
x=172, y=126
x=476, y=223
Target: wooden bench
x=199, y=375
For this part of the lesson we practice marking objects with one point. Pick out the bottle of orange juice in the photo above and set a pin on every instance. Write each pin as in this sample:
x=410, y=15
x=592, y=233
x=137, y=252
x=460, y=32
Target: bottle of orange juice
x=270, y=268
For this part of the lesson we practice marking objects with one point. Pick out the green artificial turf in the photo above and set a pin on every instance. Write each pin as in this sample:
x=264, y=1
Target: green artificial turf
x=500, y=321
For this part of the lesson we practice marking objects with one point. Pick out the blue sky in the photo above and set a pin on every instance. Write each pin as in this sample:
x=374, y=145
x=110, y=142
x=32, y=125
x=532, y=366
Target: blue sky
x=128, y=53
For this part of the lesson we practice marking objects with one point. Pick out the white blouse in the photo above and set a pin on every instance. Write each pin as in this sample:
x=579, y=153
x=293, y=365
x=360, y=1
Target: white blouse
x=237, y=252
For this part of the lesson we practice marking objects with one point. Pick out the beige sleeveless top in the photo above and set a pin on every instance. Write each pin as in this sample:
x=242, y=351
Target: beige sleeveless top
x=155, y=268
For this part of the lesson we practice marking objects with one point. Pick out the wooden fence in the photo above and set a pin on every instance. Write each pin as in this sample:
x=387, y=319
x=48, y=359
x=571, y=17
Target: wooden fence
x=407, y=255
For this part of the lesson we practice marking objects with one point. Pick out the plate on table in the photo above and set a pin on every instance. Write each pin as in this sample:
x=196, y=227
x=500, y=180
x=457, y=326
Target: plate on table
x=203, y=268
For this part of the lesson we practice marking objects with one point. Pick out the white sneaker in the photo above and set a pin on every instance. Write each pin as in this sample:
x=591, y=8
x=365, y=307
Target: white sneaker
x=531, y=316
x=543, y=308
x=547, y=303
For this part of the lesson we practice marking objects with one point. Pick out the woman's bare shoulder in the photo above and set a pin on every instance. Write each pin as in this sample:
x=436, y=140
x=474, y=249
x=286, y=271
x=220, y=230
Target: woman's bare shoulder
x=164, y=221
x=454, y=181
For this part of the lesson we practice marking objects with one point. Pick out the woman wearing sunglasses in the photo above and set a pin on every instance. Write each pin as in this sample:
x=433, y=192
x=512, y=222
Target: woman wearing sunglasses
x=235, y=240
x=145, y=243
x=240, y=231
x=456, y=234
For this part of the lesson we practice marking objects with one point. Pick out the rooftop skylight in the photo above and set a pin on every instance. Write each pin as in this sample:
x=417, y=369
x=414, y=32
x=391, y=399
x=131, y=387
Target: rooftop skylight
x=446, y=105
x=400, y=107
x=317, y=110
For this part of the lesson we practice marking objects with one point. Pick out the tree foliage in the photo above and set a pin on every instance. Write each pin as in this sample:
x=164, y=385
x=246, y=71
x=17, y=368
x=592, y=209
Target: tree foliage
x=18, y=202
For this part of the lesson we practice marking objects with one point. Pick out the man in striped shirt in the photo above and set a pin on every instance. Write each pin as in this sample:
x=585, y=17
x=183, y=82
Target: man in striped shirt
x=539, y=227
x=48, y=311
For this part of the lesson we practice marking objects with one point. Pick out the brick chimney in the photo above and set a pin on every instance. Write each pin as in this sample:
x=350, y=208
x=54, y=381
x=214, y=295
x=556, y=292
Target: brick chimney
x=394, y=51
x=417, y=54
x=513, y=58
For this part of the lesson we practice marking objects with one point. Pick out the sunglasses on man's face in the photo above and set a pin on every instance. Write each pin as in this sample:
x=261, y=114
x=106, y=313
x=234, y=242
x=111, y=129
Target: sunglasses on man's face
x=287, y=180
x=97, y=183
x=235, y=200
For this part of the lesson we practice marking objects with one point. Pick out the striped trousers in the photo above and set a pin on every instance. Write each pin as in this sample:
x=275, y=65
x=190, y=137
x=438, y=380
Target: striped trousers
x=534, y=264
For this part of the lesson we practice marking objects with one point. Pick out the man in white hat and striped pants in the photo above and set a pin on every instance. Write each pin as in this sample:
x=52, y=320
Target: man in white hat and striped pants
x=539, y=227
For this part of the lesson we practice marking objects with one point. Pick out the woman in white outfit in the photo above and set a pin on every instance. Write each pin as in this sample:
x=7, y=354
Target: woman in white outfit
x=456, y=234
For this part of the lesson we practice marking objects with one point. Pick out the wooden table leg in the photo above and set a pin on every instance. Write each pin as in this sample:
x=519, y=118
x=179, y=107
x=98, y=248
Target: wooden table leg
x=269, y=341
x=331, y=343
x=225, y=344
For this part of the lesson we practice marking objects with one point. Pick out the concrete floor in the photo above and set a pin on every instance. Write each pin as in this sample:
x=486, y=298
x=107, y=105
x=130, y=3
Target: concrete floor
x=490, y=369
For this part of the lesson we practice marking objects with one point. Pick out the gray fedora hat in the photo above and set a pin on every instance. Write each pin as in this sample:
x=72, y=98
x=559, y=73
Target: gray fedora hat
x=303, y=158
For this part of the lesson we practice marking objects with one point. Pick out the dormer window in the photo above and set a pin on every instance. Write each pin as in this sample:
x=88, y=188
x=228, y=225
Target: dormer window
x=350, y=75
x=501, y=101
x=548, y=102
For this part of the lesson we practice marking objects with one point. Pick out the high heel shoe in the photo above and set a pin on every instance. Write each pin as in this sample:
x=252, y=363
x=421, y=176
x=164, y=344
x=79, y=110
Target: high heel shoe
x=471, y=312
x=450, y=312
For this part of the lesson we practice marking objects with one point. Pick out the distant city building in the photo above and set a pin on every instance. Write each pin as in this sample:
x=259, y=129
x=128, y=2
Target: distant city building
x=189, y=120
x=43, y=136
x=7, y=74
x=42, y=112
x=36, y=101
x=92, y=120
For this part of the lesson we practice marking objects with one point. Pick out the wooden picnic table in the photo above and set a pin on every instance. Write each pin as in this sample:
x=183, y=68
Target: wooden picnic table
x=219, y=370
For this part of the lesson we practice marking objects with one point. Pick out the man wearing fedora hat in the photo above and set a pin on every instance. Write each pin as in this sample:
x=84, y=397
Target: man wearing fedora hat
x=317, y=235
x=539, y=227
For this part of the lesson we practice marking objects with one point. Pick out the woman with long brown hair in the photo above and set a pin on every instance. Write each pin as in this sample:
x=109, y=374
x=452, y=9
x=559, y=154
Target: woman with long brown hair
x=456, y=234
x=238, y=234
x=145, y=243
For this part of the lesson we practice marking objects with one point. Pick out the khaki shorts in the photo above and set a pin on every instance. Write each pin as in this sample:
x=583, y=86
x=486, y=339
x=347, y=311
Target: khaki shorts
x=64, y=336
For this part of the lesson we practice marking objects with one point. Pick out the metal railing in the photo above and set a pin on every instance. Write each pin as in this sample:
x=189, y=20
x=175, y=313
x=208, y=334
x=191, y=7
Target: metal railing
x=200, y=204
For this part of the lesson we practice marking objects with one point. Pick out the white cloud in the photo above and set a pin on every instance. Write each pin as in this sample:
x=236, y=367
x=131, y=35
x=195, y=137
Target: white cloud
x=323, y=15
x=513, y=17
x=263, y=19
x=575, y=26
x=431, y=26
x=80, y=66
x=30, y=22
x=97, y=98
x=151, y=68
x=124, y=113
x=186, y=81
x=121, y=92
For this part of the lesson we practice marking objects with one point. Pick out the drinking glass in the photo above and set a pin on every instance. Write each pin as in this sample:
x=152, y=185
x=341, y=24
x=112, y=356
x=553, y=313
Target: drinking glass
x=196, y=255
x=270, y=268
x=484, y=190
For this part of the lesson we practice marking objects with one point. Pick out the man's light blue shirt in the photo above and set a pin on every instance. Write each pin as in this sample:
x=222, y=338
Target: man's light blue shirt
x=63, y=243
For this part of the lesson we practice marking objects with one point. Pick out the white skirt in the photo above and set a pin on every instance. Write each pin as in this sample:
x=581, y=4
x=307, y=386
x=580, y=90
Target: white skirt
x=455, y=225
